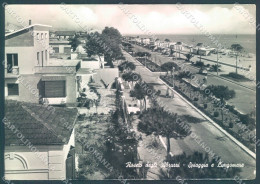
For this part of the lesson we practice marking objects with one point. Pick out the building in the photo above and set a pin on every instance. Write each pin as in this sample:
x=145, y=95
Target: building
x=25, y=49
x=30, y=74
x=60, y=46
x=205, y=51
x=146, y=41
x=42, y=146
x=56, y=83
x=53, y=35
x=65, y=34
x=195, y=50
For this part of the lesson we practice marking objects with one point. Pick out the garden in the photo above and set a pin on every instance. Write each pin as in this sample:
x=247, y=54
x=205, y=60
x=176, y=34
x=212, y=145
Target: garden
x=214, y=105
x=111, y=138
x=236, y=77
x=149, y=64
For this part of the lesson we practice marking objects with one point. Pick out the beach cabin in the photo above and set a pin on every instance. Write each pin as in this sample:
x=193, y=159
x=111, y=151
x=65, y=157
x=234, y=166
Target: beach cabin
x=204, y=51
x=178, y=46
x=195, y=50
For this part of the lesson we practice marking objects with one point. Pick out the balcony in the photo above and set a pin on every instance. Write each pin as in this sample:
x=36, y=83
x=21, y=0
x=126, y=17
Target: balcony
x=12, y=72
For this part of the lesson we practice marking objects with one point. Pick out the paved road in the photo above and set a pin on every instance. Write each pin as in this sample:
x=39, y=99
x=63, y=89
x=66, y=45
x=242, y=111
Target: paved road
x=245, y=99
x=214, y=138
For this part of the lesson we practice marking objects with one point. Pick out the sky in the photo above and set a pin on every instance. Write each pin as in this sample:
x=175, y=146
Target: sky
x=138, y=19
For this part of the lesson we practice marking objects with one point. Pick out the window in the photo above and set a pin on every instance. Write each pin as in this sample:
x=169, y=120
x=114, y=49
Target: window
x=38, y=36
x=67, y=50
x=56, y=49
x=13, y=89
x=42, y=57
x=46, y=35
x=54, y=89
x=38, y=58
x=42, y=36
x=12, y=60
x=46, y=55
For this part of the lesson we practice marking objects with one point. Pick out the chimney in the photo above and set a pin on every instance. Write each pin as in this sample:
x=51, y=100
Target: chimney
x=30, y=22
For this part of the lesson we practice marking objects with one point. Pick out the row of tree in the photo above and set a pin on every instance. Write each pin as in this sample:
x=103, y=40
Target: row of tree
x=160, y=122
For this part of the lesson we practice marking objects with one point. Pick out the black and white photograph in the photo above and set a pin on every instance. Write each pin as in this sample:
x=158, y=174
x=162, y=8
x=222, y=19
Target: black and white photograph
x=130, y=92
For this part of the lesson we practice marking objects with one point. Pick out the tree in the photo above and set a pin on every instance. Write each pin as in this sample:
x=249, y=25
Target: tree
x=131, y=77
x=171, y=52
x=184, y=74
x=147, y=54
x=190, y=173
x=160, y=122
x=128, y=66
x=127, y=46
x=169, y=66
x=215, y=68
x=199, y=64
x=167, y=40
x=222, y=93
x=188, y=57
x=143, y=54
x=94, y=45
x=141, y=90
x=238, y=48
x=112, y=41
x=74, y=42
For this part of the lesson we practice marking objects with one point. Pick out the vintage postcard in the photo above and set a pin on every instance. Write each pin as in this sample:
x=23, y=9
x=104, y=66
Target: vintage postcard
x=130, y=92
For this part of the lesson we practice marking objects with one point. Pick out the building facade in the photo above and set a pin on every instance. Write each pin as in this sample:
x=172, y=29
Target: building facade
x=42, y=148
x=30, y=74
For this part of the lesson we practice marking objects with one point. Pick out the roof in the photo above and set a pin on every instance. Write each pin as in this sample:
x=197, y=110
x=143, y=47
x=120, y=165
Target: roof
x=63, y=62
x=84, y=71
x=27, y=28
x=38, y=123
x=199, y=44
x=107, y=75
x=52, y=41
x=65, y=33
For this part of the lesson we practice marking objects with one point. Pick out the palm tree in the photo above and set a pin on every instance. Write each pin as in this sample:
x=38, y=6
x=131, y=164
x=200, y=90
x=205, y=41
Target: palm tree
x=223, y=93
x=215, y=68
x=160, y=122
x=237, y=48
x=188, y=57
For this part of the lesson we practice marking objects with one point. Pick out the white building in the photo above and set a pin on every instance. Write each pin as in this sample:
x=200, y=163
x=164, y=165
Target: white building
x=43, y=146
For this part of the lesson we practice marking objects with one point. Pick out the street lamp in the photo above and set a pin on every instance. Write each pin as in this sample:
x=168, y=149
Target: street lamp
x=179, y=51
x=145, y=59
x=199, y=53
x=173, y=68
x=217, y=61
x=236, y=61
x=176, y=51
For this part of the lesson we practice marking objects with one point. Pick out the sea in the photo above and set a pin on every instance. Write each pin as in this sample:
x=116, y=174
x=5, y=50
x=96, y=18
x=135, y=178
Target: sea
x=247, y=41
